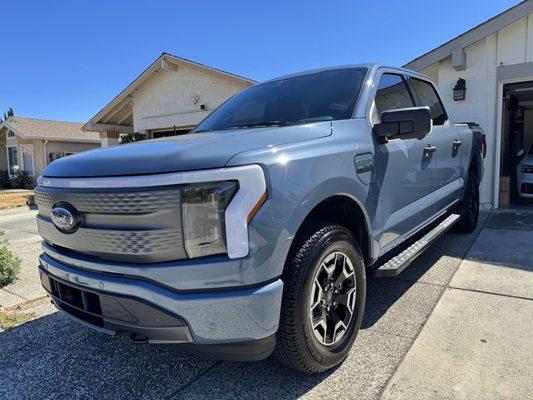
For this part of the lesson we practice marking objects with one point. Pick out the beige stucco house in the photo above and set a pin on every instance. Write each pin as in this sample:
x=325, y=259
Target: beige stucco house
x=170, y=97
x=31, y=144
x=495, y=61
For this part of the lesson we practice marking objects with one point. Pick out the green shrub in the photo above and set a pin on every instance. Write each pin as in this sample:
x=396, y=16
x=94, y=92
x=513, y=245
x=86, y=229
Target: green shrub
x=23, y=180
x=9, y=264
x=5, y=183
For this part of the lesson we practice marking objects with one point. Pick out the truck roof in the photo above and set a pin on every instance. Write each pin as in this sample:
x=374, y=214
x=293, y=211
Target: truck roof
x=316, y=70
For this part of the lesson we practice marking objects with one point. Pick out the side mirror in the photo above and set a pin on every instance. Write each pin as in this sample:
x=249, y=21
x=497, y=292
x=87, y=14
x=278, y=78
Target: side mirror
x=520, y=153
x=404, y=123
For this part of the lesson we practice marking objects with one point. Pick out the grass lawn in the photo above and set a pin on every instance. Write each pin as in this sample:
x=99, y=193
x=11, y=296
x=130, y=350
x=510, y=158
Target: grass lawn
x=13, y=198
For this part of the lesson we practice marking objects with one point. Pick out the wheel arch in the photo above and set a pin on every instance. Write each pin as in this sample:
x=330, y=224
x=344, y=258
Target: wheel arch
x=345, y=210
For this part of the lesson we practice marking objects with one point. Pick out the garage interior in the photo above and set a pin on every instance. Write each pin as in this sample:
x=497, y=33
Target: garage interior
x=517, y=139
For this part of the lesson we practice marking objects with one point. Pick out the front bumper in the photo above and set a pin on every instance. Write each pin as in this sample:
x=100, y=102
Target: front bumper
x=524, y=183
x=228, y=321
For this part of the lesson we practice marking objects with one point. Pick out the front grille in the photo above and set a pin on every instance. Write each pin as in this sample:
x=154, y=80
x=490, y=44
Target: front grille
x=527, y=188
x=112, y=202
x=122, y=225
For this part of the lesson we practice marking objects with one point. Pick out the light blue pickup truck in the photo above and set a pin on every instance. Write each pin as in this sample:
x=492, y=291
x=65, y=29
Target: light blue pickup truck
x=253, y=233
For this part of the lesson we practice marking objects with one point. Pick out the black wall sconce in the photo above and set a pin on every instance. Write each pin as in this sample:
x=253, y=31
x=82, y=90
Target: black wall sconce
x=459, y=91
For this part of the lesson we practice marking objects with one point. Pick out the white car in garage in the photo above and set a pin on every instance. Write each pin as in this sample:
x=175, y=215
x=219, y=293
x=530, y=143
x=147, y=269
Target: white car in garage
x=524, y=175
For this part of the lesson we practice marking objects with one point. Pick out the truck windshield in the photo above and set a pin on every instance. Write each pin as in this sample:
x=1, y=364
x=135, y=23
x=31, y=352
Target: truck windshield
x=322, y=96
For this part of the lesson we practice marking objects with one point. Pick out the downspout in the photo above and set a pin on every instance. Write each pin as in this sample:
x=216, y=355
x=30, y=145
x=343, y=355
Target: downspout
x=45, y=141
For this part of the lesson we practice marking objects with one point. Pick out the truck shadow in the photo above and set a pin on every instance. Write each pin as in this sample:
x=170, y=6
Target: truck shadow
x=54, y=357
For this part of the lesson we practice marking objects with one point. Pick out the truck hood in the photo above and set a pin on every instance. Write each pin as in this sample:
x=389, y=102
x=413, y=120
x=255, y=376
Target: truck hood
x=180, y=153
x=528, y=160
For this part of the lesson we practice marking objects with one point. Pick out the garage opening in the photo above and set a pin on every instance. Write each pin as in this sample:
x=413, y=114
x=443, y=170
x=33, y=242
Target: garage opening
x=516, y=174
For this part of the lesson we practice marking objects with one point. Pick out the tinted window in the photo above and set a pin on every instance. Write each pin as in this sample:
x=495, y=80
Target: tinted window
x=427, y=96
x=322, y=96
x=392, y=94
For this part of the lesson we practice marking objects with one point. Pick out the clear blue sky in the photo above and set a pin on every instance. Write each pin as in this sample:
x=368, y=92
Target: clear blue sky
x=67, y=59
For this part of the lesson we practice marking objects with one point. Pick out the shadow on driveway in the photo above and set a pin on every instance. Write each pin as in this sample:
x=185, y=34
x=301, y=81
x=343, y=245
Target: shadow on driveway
x=54, y=357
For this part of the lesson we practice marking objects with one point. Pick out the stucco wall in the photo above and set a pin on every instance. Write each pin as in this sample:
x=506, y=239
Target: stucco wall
x=166, y=99
x=51, y=147
x=511, y=45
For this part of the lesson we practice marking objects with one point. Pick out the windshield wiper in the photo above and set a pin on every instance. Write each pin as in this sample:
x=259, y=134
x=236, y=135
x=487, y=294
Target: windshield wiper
x=260, y=124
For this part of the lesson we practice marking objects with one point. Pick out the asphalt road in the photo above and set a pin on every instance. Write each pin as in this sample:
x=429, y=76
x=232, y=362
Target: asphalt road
x=53, y=357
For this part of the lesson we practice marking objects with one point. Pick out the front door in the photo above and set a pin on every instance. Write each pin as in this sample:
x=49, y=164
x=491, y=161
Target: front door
x=405, y=168
x=448, y=144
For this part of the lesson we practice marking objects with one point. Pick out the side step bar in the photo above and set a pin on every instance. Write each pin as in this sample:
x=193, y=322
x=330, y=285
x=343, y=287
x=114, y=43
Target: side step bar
x=397, y=264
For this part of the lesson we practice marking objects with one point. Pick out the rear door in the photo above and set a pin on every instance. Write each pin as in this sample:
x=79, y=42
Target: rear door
x=404, y=166
x=448, y=143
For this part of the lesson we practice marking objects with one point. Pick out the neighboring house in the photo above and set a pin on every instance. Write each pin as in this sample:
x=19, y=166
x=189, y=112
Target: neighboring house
x=495, y=59
x=30, y=144
x=170, y=97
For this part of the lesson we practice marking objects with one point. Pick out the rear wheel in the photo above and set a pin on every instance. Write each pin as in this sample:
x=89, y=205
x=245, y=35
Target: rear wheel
x=468, y=209
x=323, y=299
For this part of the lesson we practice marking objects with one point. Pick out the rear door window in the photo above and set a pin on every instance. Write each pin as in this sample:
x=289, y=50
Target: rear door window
x=427, y=96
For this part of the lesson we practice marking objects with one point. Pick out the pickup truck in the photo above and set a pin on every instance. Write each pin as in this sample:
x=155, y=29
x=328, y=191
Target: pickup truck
x=253, y=233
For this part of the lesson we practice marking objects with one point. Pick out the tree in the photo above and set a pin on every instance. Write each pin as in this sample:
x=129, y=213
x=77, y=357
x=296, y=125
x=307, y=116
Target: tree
x=8, y=114
x=131, y=137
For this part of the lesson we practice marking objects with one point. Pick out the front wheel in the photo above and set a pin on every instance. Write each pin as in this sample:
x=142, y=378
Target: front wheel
x=468, y=209
x=323, y=299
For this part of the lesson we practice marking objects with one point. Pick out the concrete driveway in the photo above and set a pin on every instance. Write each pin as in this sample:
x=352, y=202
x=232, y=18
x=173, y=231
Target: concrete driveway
x=52, y=357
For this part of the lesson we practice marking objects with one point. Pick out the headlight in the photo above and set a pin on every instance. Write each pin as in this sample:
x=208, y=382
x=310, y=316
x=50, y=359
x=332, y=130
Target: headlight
x=527, y=170
x=203, y=209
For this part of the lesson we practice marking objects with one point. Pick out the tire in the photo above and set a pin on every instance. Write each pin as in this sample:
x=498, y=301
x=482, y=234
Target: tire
x=322, y=251
x=468, y=209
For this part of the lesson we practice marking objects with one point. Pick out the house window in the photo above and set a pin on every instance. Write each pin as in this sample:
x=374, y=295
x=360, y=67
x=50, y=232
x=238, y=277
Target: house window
x=28, y=162
x=13, y=160
x=10, y=134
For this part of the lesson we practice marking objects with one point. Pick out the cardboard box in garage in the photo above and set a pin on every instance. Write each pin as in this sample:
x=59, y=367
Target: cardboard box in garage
x=505, y=191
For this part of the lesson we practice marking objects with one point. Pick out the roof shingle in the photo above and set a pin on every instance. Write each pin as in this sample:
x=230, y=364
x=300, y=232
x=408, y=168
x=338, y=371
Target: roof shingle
x=52, y=130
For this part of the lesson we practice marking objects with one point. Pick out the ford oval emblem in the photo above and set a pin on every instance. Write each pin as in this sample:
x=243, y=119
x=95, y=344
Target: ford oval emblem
x=66, y=218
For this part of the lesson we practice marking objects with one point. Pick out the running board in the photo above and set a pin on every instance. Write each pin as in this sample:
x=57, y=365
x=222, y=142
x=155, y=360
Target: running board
x=397, y=264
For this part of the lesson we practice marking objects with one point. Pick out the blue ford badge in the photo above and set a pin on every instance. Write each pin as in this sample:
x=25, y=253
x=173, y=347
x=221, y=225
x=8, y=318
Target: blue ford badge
x=66, y=218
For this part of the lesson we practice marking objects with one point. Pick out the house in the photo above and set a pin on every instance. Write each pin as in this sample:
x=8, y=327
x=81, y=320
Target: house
x=169, y=98
x=30, y=144
x=494, y=61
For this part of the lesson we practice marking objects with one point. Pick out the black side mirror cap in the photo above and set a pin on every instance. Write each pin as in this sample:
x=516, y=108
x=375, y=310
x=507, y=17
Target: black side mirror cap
x=404, y=123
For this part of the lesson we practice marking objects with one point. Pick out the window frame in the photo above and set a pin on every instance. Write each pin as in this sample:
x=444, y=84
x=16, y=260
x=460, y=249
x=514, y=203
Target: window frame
x=419, y=104
x=375, y=85
x=11, y=176
x=21, y=162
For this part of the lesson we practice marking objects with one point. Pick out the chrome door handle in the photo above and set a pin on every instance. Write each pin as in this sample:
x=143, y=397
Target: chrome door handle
x=430, y=149
x=457, y=143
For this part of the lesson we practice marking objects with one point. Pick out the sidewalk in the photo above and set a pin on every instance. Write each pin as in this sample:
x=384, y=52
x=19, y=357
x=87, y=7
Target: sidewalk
x=24, y=241
x=477, y=343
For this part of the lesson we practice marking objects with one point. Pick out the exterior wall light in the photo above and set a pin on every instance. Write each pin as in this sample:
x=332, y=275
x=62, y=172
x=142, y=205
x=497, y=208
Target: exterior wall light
x=459, y=91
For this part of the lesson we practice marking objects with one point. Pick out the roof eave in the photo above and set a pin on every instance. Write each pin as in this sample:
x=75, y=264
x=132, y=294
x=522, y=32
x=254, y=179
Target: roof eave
x=475, y=34
x=146, y=74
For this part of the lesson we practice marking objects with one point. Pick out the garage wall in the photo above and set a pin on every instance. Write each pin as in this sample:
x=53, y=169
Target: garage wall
x=511, y=45
x=166, y=99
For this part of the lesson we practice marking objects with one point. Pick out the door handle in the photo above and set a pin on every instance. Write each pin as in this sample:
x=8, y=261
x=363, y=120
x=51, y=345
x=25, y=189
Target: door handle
x=430, y=149
x=457, y=143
